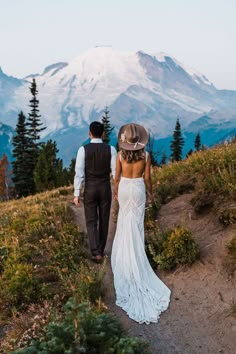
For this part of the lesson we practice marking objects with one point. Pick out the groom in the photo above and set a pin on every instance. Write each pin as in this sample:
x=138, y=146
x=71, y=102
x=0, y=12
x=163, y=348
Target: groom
x=94, y=163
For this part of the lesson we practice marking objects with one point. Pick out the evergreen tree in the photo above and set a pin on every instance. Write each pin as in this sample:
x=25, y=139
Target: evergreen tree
x=34, y=123
x=197, y=142
x=177, y=143
x=71, y=172
x=34, y=127
x=21, y=170
x=107, y=126
x=62, y=175
x=153, y=154
x=49, y=172
x=189, y=153
x=45, y=172
x=163, y=159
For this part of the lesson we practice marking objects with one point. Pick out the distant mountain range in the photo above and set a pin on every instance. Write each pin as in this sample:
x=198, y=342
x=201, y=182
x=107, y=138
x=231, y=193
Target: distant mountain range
x=150, y=89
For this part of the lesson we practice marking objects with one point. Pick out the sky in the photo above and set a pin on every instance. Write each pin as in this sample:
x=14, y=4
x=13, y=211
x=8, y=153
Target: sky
x=199, y=33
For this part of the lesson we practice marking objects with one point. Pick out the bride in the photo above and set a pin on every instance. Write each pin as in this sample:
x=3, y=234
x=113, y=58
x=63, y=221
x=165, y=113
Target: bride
x=139, y=291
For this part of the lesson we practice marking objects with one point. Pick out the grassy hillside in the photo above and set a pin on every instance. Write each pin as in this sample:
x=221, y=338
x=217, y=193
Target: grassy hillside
x=210, y=174
x=49, y=291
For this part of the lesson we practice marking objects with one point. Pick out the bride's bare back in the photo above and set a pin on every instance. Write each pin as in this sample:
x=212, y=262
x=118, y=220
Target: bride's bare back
x=135, y=169
x=132, y=169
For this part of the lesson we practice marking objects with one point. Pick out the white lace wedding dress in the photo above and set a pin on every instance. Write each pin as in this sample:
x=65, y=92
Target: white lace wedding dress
x=139, y=291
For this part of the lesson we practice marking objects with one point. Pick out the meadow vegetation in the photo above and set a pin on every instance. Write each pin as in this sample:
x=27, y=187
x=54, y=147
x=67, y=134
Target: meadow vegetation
x=50, y=293
x=210, y=175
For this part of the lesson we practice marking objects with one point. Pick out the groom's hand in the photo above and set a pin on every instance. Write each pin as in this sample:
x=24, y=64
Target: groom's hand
x=150, y=198
x=77, y=201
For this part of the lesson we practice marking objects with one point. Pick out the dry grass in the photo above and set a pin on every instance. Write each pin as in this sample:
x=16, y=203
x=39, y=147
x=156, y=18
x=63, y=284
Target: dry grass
x=43, y=262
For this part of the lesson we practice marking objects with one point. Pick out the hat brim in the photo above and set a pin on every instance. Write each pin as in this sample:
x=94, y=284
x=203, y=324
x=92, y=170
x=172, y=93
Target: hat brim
x=133, y=147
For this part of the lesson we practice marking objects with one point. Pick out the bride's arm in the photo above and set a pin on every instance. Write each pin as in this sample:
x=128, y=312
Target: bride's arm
x=147, y=178
x=118, y=174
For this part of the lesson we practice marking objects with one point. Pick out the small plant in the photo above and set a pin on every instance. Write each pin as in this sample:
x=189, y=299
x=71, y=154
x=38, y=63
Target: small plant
x=227, y=213
x=173, y=248
x=85, y=284
x=17, y=285
x=84, y=331
x=231, y=246
x=233, y=309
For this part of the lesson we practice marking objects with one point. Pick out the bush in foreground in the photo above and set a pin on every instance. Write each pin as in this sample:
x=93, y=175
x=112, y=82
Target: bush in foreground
x=173, y=248
x=85, y=331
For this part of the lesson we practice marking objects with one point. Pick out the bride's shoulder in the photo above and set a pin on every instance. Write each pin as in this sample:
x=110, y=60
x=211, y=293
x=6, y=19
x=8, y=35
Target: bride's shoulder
x=119, y=156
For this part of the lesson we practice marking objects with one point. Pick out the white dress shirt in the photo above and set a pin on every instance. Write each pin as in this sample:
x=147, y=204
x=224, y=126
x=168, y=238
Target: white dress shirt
x=80, y=166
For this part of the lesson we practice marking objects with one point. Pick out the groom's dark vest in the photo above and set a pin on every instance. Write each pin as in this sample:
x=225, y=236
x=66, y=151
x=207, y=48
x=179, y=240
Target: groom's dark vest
x=97, y=162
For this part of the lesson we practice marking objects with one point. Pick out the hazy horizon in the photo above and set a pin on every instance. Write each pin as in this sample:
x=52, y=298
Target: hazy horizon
x=35, y=34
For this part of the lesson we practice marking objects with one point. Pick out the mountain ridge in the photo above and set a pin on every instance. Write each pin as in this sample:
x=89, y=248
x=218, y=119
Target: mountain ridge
x=150, y=89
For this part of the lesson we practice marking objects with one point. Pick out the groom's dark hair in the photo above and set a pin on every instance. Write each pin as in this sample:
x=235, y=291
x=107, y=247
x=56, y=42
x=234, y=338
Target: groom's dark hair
x=96, y=129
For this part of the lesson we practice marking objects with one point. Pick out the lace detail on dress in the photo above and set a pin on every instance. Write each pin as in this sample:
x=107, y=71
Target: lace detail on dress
x=138, y=289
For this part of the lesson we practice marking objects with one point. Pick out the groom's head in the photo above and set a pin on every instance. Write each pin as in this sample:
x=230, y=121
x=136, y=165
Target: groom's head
x=96, y=130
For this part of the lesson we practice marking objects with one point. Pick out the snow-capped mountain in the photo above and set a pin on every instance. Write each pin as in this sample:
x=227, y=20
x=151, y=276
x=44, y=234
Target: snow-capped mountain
x=151, y=89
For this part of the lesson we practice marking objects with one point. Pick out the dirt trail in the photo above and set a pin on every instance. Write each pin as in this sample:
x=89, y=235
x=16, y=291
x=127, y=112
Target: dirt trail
x=198, y=319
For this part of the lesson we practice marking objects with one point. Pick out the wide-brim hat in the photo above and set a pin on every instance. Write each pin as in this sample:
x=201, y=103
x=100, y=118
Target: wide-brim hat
x=132, y=137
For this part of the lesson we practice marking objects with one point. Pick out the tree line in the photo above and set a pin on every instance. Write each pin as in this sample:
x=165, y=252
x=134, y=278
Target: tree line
x=36, y=167
x=176, y=147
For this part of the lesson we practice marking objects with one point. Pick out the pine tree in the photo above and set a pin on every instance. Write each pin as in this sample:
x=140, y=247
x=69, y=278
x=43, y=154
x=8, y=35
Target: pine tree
x=34, y=124
x=34, y=127
x=71, y=172
x=177, y=143
x=150, y=148
x=62, y=175
x=197, y=142
x=190, y=152
x=107, y=126
x=49, y=172
x=21, y=171
x=45, y=172
x=163, y=159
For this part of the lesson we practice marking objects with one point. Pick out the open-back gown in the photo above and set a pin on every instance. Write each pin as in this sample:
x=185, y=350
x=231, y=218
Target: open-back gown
x=139, y=291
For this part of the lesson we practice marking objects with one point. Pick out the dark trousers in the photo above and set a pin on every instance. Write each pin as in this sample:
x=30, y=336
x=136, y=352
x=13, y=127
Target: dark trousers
x=97, y=205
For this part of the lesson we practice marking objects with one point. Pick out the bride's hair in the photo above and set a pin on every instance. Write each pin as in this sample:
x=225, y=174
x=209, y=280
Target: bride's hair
x=132, y=156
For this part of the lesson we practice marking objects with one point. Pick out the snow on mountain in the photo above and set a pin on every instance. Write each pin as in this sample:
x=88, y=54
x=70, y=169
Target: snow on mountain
x=136, y=86
x=70, y=93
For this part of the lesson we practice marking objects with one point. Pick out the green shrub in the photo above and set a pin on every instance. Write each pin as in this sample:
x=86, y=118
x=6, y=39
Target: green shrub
x=233, y=309
x=227, y=213
x=231, y=246
x=17, y=284
x=85, y=284
x=85, y=331
x=173, y=248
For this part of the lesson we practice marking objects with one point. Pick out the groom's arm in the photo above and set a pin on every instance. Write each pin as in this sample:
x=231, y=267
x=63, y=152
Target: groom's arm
x=79, y=174
x=117, y=176
x=113, y=161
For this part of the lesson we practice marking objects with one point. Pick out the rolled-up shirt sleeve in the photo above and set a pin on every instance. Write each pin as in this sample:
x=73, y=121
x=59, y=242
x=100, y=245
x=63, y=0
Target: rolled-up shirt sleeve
x=79, y=171
x=113, y=161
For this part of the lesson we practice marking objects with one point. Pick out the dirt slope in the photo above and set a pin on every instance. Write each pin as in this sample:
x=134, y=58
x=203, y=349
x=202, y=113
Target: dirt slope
x=198, y=319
